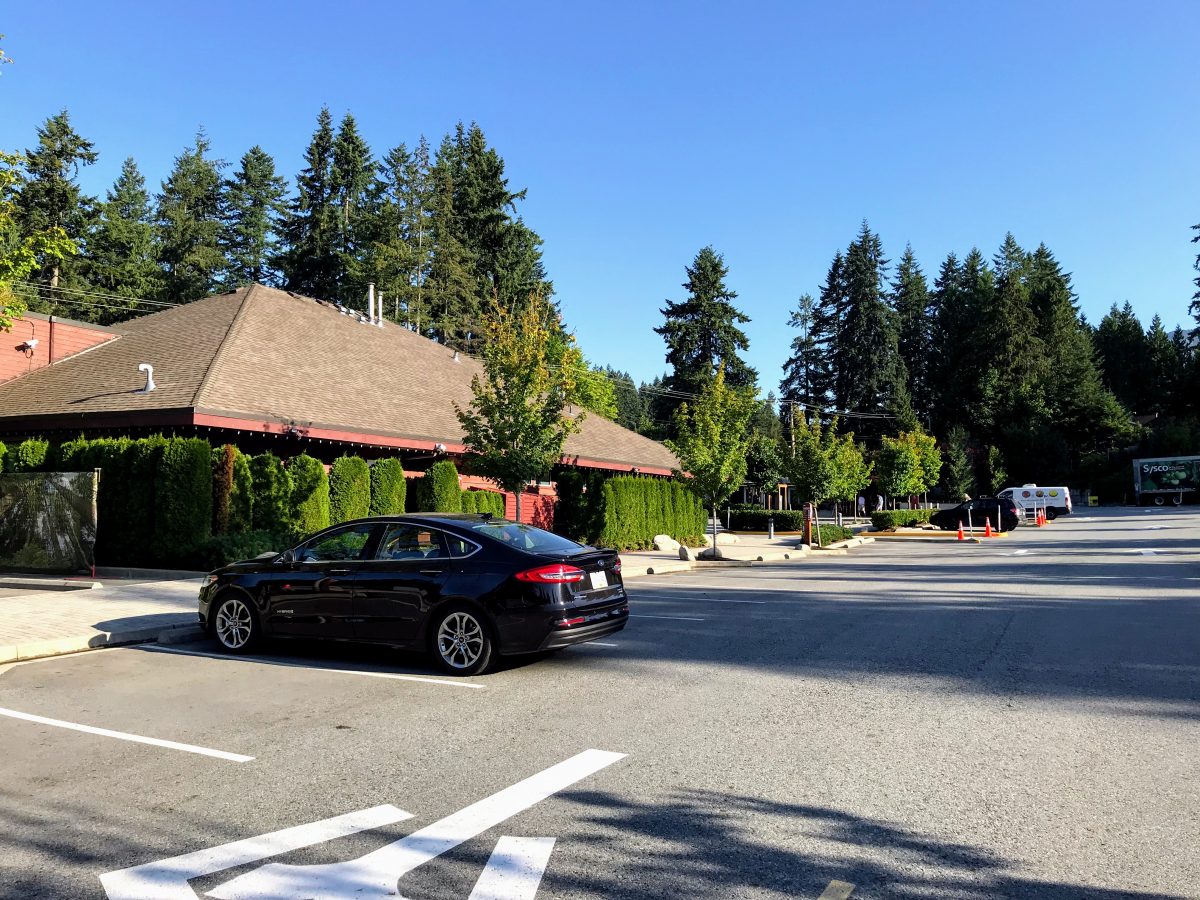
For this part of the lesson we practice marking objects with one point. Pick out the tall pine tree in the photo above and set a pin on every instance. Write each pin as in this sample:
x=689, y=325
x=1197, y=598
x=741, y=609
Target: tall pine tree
x=252, y=208
x=798, y=384
x=914, y=315
x=189, y=224
x=121, y=257
x=701, y=333
x=51, y=196
x=401, y=234
x=351, y=178
x=309, y=263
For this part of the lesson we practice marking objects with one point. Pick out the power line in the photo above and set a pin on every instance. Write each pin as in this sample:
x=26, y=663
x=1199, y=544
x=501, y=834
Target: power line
x=103, y=295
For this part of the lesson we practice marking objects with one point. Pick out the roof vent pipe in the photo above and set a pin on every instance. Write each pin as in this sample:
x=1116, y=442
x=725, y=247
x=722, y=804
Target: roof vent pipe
x=150, y=385
x=379, y=309
x=371, y=303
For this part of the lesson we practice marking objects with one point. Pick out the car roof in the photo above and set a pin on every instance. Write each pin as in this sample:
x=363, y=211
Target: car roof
x=434, y=518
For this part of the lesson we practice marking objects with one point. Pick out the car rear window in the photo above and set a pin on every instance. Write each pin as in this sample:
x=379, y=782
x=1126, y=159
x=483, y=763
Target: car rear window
x=526, y=537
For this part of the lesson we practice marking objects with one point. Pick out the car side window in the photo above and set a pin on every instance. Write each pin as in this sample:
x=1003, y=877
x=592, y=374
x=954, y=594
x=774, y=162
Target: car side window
x=403, y=541
x=344, y=544
x=459, y=547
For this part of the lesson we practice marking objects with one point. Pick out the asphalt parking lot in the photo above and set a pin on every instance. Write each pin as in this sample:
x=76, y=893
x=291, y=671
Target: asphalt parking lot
x=1017, y=718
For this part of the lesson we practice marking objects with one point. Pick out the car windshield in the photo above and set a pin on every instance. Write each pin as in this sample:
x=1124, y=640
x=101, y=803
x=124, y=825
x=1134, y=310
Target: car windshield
x=526, y=537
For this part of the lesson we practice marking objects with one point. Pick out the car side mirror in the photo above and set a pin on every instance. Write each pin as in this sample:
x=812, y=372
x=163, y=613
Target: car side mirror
x=285, y=557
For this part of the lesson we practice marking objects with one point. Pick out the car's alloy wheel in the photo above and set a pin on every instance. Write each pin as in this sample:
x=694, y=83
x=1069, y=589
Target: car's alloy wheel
x=462, y=643
x=234, y=625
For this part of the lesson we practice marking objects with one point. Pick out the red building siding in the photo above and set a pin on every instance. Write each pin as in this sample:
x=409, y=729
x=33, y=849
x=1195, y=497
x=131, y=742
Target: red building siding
x=56, y=340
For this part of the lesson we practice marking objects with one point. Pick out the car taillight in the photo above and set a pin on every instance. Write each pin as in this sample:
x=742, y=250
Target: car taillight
x=553, y=574
x=617, y=565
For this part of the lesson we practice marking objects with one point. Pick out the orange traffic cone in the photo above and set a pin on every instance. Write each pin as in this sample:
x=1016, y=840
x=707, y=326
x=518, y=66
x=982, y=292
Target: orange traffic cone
x=987, y=527
x=961, y=536
x=1041, y=520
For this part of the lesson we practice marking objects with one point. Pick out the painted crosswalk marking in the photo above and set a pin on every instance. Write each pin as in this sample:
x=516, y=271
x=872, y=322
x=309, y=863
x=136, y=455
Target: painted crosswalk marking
x=516, y=865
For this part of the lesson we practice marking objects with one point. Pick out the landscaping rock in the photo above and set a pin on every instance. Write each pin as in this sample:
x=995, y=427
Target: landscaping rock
x=723, y=537
x=665, y=542
x=685, y=553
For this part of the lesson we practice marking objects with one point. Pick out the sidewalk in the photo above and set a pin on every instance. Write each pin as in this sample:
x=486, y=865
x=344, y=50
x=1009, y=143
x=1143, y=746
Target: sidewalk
x=121, y=611
x=750, y=548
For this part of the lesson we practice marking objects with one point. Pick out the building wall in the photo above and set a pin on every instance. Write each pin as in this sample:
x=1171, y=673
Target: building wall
x=61, y=337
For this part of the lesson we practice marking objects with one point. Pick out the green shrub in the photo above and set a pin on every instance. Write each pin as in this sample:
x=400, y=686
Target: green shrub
x=220, y=550
x=222, y=486
x=831, y=533
x=388, y=487
x=272, y=491
x=310, y=503
x=182, y=499
x=349, y=489
x=468, y=501
x=27, y=456
x=580, y=513
x=489, y=502
x=69, y=453
x=241, y=495
x=443, y=490
x=4, y=455
x=889, y=519
x=756, y=519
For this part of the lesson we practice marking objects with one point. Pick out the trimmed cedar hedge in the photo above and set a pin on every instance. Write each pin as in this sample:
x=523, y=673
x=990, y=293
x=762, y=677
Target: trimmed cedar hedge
x=442, y=488
x=889, y=519
x=635, y=509
x=310, y=502
x=349, y=489
x=388, y=487
x=182, y=499
x=271, y=487
x=222, y=486
x=483, y=502
x=241, y=496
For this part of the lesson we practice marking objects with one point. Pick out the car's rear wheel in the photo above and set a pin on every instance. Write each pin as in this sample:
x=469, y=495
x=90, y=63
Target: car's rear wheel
x=462, y=641
x=1051, y=513
x=235, y=624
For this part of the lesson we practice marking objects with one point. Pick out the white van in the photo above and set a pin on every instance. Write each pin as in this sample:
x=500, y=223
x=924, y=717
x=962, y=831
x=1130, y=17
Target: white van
x=1030, y=498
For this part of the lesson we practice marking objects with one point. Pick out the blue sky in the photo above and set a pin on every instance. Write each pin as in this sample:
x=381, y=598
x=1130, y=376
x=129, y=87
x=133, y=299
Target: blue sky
x=644, y=131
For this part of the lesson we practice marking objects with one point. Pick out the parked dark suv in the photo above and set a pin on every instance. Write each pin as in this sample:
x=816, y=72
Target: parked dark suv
x=463, y=587
x=1002, y=513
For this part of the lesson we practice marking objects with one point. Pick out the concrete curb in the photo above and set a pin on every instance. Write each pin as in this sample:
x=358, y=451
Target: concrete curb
x=95, y=641
x=48, y=584
x=148, y=574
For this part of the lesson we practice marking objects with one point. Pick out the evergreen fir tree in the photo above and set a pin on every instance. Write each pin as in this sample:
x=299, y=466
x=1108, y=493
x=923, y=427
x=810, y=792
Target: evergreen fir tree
x=914, y=314
x=870, y=375
x=827, y=334
x=351, y=178
x=253, y=206
x=631, y=408
x=1194, y=306
x=401, y=247
x=951, y=325
x=451, y=306
x=189, y=223
x=51, y=196
x=798, y=384
x=309, y=263
x=701, y=333
x=1162, y=363
x=1121, y=343
x=121, y=257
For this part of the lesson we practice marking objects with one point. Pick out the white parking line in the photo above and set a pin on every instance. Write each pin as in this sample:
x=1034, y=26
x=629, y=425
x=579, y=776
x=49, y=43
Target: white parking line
x=677, y=618
x=291, y=665
x=374, y=876
x=168, y=879
x=124, y=736
x=514, y=869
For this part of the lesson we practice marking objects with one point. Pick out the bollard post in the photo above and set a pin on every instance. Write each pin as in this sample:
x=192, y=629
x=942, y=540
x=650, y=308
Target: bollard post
x=771, y=528
x=808, y=524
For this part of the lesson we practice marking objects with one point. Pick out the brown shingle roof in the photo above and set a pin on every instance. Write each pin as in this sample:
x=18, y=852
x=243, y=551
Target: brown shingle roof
x=270, y=356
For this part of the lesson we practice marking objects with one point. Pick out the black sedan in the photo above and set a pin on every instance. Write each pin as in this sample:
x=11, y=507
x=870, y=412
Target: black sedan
x=465, y=588
x=1002, y=513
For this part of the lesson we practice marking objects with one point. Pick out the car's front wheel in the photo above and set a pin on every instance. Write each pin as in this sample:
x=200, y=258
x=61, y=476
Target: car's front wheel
x=235, y=625
x=1051, y=513
x=462, y=641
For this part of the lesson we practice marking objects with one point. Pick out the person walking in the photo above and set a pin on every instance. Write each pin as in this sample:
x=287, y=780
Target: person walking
x=861, y=509
x=879, y=503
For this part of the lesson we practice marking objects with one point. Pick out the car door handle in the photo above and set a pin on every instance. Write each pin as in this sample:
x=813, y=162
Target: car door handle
x=432, y=571
x=339, y=571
